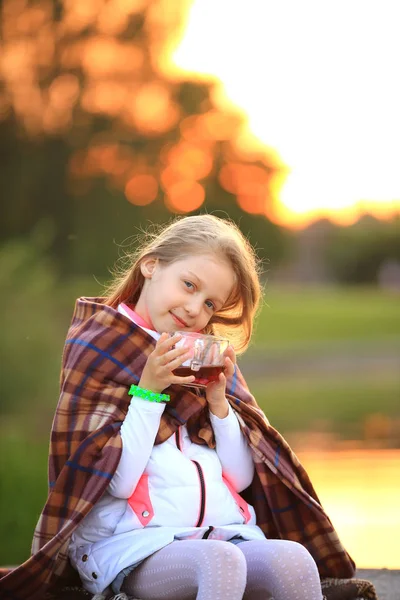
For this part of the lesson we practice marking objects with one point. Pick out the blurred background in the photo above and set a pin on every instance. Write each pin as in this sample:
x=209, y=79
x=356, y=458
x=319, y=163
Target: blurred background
x=115, y=114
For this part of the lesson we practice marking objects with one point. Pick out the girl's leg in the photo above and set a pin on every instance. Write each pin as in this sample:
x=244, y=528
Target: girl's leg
x=189, y=570
x=281, y=570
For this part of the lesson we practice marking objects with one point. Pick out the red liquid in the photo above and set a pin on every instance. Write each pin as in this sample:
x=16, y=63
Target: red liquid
x=203, y=376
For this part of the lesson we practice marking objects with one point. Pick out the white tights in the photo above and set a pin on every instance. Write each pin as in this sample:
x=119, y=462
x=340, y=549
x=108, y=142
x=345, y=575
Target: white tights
x=217, y=570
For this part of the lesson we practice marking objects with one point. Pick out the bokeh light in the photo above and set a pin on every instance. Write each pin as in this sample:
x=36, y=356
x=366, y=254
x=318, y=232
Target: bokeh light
x=185, y=196
x=141, y=189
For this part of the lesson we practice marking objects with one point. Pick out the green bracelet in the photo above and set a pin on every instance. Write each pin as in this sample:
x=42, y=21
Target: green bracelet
x=139, y=392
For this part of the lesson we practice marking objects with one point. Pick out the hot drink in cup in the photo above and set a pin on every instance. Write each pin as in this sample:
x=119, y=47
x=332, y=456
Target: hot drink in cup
x=207, y=356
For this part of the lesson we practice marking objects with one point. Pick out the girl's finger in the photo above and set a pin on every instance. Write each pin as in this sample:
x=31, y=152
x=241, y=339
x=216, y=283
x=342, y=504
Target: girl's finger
x=164, y=336
x=181, y=380
x=230, y=367
x=179, y=354
x=220, y=382
x=181, y=351
x=217, y=384
x=176, y=362
x=166, y=342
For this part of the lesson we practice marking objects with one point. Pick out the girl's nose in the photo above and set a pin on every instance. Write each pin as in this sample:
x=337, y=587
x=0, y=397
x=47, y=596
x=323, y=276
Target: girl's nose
x=193, y=307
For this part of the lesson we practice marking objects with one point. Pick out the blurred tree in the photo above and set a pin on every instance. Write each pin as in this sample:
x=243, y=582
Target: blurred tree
x=355, y=254
x=98, y=136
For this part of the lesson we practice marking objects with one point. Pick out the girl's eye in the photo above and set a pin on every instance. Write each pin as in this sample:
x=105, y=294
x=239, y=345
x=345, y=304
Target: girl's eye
x=209, y=304
x=188, y=284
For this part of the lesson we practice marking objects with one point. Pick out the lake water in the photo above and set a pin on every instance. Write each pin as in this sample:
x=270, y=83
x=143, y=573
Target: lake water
x=360, y=491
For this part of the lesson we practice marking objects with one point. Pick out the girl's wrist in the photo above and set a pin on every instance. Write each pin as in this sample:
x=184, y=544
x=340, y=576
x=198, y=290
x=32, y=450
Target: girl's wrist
x=147, y=385
x=220, y=409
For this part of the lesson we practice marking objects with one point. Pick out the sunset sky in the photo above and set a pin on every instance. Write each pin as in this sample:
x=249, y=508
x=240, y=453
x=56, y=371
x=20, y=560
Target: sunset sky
x=319, y=83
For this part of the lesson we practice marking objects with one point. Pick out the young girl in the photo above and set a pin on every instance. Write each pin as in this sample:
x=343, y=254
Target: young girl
x=162, y=489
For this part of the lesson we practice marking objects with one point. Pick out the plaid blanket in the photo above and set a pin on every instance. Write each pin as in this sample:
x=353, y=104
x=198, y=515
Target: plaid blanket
x=103, y=355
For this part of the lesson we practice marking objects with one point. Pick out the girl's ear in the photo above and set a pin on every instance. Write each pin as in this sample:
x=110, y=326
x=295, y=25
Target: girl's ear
x=148, y=266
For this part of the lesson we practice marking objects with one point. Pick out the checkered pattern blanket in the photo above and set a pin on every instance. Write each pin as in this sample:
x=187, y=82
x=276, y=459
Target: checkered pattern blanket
x=104, y=354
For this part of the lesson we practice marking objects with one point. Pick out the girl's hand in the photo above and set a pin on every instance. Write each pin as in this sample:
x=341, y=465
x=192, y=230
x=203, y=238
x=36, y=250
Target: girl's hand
x=158, y=371
x=215, y=390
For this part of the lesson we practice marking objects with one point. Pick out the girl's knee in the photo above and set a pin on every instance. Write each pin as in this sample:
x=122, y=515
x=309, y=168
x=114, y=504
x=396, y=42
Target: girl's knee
x=278, y=567
x=298, y=551
x=281, y=550
x=227, y=556
x=298, y=558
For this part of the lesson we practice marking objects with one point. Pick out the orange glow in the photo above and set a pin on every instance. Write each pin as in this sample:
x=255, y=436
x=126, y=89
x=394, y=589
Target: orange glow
x=185, y=196
x=79, y=15
x=191, y=130
x=18, y=57
x=71, y=55
x=111, y=16
x=191, y=161
x=141, y=189
x=104, y=97
x=64, y=91
x=360, y=491
x=110, y=158
x=246, y=181
x=54, y=121
x=112, y=20
x=330, y=111
x=152, y=109
x=252, y=203
x=219, y=126
x=103, y=159
x=32, y=17
x=169, y=177
x=4, y=107
x=103, y=56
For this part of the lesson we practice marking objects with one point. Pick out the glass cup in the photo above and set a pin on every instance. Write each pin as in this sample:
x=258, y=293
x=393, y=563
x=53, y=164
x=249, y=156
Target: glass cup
x=207, y=356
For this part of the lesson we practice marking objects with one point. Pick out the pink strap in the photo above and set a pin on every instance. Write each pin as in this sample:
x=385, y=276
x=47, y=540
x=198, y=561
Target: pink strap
x=242, y=504
x=140, y=501
x=135, y=317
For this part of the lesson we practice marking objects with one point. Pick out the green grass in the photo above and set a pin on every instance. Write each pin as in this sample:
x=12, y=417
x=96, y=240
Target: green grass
x=23, y=476
x=343, y=405
x=293, y=317
x=299, y=326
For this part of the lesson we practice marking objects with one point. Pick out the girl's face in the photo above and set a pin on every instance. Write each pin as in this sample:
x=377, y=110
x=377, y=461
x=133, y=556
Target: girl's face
x=185, y=294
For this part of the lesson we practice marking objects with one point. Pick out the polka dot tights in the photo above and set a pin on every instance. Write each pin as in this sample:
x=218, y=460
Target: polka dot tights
x=217, y=570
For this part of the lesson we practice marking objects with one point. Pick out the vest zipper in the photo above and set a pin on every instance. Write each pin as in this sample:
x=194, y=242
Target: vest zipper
x=202, y=485
x=202, y=493
x=207, y=533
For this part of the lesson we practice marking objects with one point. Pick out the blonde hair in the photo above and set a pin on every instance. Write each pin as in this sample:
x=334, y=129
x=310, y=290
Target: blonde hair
x=198, y=234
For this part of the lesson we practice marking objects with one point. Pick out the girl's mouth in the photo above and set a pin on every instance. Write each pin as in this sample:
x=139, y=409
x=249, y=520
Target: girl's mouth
x=178, y=320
